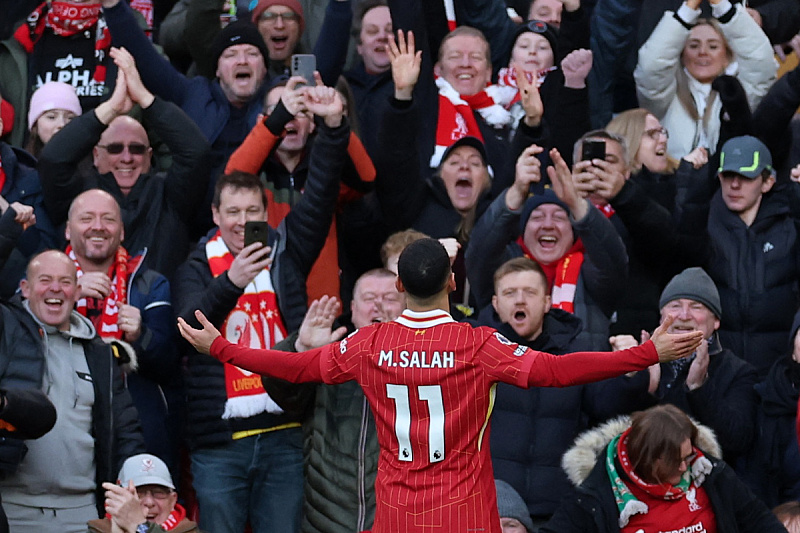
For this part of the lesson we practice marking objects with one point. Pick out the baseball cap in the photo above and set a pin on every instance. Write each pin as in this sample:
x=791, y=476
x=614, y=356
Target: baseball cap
x=467, y=141
x=746, y=156
x=145, y=469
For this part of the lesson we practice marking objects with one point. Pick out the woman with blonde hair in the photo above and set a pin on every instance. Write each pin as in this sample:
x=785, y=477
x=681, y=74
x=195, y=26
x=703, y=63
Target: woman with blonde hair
x=685, y=54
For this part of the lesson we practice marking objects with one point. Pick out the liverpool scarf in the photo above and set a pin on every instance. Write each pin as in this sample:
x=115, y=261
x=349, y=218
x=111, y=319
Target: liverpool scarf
x=67, y=19
x=562, y=275
x=120, y=272
x=507, y=77
x=457, y=119
x=254, y=322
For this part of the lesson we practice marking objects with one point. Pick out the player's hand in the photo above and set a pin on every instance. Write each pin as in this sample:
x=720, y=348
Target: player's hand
x=672, y=346
x=201, y=339
x=94, y=285
x=251, y=260
x=317, y=327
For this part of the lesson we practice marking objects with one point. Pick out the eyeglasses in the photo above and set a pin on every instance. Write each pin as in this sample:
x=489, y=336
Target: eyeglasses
x=272, y=18
x=655, y=132
x=157, y=493
x=117, y=148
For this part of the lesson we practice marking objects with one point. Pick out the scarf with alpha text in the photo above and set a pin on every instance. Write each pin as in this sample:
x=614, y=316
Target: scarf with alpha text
x=65, y=20
x=562, y=275
x=628, y=504
x=457, y=115
x=254, y=322
x=120, y=272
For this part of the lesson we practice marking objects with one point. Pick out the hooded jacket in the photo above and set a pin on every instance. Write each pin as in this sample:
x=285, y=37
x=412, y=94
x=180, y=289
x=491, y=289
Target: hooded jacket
x=592, y=509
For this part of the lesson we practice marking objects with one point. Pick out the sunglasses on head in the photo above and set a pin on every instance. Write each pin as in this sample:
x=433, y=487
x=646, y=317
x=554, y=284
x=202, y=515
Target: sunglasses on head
x=117, y=148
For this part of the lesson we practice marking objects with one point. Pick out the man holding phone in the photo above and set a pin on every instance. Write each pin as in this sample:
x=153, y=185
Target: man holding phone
x=250, y=280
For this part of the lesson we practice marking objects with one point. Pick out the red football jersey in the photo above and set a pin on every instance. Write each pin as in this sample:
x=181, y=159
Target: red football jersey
x=429, y=381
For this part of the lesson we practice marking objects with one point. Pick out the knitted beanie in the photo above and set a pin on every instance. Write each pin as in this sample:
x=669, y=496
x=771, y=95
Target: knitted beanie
x=511, y=505
x=693, y=284
x=294, y=5
x=52, y=95
x=540, y=27
x=547, y=197
x=238, y=32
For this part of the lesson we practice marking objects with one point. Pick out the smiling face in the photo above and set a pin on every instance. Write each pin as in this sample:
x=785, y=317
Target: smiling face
x=376, y=299
x=51, y=288
x=237, y=206
x=125, y=165
x=690, y=315
x=157, y=502
x=376, y=30
x=521, y=300
x=51, y=122
x=280, y=33
x=547, y=10
x=652, y=153
x=241, y=70
x=296, y=130
x=465, y=64
x=531, y=53
x=705, y=55
x=465, y=177
x=548, y=233
x=94, y=229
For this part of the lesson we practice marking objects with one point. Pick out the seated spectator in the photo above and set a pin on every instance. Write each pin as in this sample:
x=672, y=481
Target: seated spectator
x=514, y=517
x=47, y=345
x=714, y=386
x=157, y=207
x=67, y=41
x=128, y=302
x=684, y=55
x=143, y=499
x=52, y=106
x=658, y=471
x=789, y=515
x=20, y=184
x=582, y=255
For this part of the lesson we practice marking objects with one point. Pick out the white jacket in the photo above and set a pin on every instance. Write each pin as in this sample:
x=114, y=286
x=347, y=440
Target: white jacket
x=656, y=77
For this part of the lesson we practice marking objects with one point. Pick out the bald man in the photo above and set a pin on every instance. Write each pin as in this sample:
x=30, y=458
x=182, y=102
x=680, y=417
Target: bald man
x=156, y=205
x=47, y=346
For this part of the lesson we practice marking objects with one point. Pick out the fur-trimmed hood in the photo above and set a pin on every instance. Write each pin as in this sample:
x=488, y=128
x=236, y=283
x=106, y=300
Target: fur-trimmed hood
x=579, y=460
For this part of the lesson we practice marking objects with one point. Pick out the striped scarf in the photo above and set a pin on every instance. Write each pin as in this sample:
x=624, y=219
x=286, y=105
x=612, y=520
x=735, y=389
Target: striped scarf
x=562, y=275
x=255, y=322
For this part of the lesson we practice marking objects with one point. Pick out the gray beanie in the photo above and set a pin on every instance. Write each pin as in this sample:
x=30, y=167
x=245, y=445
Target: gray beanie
x=511, y=505
x=693, y=284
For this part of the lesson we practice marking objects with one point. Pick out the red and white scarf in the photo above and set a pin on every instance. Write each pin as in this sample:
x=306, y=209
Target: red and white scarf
x=254, y=322
x=507, y=77
x=67, y=19
x=562, y=275
x=177, y=516
x=457, y=119
x=120, y=272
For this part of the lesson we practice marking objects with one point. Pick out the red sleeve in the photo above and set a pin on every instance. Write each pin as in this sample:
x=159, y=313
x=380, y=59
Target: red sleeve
x=586, y=367
x=253, y=151
x=299, y=367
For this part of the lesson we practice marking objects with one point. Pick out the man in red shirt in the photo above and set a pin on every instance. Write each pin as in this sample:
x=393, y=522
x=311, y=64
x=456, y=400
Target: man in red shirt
x=430, y=383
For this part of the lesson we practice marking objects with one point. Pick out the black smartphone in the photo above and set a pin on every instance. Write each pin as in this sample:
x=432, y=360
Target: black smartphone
x=304, y=65
x=256, y=231
x=593, y=150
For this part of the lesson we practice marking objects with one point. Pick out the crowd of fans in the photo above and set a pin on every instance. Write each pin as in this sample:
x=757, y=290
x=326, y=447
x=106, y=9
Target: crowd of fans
x=592, y=167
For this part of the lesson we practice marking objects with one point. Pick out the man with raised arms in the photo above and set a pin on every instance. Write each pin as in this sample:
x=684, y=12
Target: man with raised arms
x=435, y=472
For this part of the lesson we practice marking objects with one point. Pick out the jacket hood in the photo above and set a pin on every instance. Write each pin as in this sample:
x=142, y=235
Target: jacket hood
x=579, y=460
x=80, y=327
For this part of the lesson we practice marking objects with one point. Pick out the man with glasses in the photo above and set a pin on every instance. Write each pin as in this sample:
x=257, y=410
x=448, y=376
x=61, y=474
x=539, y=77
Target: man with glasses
x=280, y=23
x=143, y=500
x=157, y=206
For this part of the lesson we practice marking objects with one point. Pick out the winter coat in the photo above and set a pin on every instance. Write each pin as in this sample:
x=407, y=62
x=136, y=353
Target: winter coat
x=602, y=274
x=158, y=209
x=660, y=60
x=295, y=244
x=592, y=509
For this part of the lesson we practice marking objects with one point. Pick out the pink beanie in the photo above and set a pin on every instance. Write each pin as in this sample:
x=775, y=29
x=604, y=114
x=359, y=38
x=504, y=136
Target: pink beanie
x=52, y=95
x=294, y=5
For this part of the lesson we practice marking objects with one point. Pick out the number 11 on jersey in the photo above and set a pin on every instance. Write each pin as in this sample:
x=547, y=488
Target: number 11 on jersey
x=432, y=395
